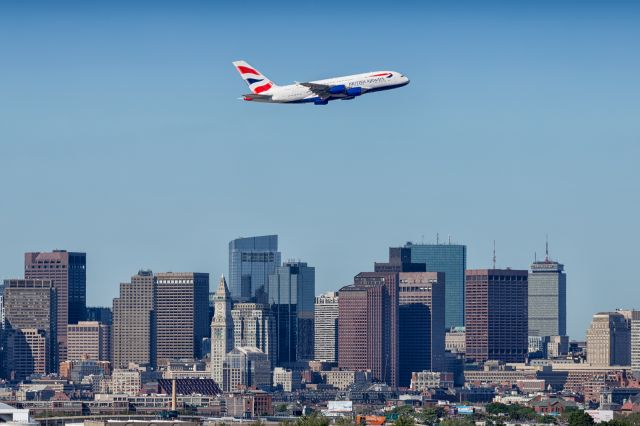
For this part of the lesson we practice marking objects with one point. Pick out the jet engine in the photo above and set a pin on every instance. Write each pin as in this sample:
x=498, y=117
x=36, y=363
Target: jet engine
x=336, y=90
x=354, y=91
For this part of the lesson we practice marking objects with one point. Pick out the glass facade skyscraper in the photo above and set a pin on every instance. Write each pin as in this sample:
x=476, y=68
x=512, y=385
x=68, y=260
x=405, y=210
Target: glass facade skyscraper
x=547, y=299
x=452, y=260
x=251, y=261
x=292, y=297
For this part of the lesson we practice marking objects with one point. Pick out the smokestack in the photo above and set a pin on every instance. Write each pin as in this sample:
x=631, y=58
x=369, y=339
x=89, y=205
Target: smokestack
x=174, y=397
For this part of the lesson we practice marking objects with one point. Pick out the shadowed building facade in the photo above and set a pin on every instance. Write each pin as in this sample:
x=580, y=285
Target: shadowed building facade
x=547, y=299
x=251, y=261
x=67, y=271
x=368, y=325
x=496, y=315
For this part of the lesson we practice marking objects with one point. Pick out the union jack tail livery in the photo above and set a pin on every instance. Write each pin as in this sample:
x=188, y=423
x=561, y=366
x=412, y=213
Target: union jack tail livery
x=257, y=82
x=318, y=92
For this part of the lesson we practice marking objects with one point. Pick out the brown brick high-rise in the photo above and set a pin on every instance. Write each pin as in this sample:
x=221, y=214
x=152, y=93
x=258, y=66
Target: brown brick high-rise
x=368, y=325
x=67, y=271
x=496, y=315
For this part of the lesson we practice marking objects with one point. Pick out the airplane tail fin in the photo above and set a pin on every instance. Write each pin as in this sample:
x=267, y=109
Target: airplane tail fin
x=257, y=82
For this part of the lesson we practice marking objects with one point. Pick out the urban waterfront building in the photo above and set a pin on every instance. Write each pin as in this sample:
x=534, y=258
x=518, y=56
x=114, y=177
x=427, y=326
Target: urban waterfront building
x=368, y=325
x=421, y=339
x=31, y=327
x=452, y=260
x=496, y=315
x=251, y=261
x=246, y=367
x=68, y=273
x=254, y=325
x=291, y=298
x=221, y=330
x=609, y=340
x=134, y=322
x=547, y=299
x=326, y=327
x=88, y=340
x=182, y=314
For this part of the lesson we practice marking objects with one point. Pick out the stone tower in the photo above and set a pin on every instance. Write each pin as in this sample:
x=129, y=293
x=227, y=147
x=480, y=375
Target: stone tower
x=221, y=330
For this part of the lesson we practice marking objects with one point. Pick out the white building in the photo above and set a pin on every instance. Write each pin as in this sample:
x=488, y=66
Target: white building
x=289, y=380
x=221, y=330
x=326, y=327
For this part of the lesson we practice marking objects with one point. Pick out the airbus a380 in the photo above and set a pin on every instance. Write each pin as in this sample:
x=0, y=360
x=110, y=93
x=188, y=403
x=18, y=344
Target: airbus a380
x=319, y=92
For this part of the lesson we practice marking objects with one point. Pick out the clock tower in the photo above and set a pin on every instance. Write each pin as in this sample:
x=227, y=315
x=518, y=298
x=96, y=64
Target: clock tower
x=221, y=330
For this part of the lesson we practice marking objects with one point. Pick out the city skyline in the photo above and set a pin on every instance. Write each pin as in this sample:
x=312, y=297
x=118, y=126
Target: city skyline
x=535, y=105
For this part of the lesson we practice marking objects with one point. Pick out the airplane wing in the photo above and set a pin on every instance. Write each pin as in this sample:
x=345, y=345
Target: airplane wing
x=322, y=90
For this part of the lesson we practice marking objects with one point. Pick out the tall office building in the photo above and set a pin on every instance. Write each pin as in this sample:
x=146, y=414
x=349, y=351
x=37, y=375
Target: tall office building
x=101, y=314
x=496, y=315
x=254, y=326
x=421, y=327
x=291, y=298
x=251, y=261
x=609, y=340
x=368, y=325
x=246, y=367
x=399, y=261
x=89, y=340
x=182, y=314
x=134, y=329
x=452, y=260
x=31, y=327
x=547, y=299
x=221, y=330
x=67, y=271
x=326, y=327
x=635, y=342
x=1, y=308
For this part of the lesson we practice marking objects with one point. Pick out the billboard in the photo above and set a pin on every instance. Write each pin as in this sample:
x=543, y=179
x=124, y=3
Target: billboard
x=340, y=407
x=600, y=415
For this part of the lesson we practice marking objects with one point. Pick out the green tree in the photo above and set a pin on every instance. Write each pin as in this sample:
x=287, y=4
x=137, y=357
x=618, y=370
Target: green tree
x=405, y=420
x=403, y=409
x=314, y=419
x=345, y=421
x=281, y=408
x=580, y=418
x=457, y=422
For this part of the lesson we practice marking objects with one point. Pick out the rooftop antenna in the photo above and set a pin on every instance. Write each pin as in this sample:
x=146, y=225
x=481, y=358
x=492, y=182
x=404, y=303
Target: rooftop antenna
x=546, y=249
x=535, y=257
x=437, y=238
x=422, y=239
x=449, y=239
x=494, y=254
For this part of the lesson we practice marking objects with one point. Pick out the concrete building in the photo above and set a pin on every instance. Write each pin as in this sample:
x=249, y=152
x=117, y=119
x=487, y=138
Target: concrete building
x=496, y=315
x=342, y=379
x=454, y=340
x=246, y=367
x=421, y=339
x=124, y=381
x=609, y=340
x=368, y=325
x=251, y=261
x=31, y=327
x=67, y=272
x=547, y=299
x=635, y=342
x=102, y=314
x=452, y=260
x=326, y=327
x=287, y=379
x=425, y=380
x=558, y=346
x=182, y=314
x=254, y=325
x=221, y=330
x=88, y=340
x=291, y=298
x=134, y=322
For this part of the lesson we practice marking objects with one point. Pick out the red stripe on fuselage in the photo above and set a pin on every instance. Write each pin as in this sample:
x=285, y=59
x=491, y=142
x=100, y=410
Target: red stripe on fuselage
x=247, y=70
x=262, y=88
x=379, y=75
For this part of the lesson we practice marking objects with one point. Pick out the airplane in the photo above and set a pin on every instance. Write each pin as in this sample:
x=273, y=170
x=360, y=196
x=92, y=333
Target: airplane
x=318, y=92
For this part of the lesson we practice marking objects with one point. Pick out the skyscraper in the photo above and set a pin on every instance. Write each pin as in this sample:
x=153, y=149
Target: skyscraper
x=368, y=325
x=221, y=330
x=452, y=260
x=496, y=315
x=609, y=340
x=547, y=299
x=89, y=340
x=182, y=314
x=291, y=298
x=134, y=322
x=254, y=325
x=251, y=261
x=421, y=327
x=67, y=272
x=31, y=321
x=326, y=327
x=635, y=342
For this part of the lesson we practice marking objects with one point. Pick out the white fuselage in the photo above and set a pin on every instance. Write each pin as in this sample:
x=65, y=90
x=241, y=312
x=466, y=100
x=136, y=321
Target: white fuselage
x=366, y=82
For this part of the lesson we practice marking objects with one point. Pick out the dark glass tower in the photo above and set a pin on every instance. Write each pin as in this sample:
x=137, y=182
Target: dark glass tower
x=452, y=260
x=292, y=298
x=251, y=261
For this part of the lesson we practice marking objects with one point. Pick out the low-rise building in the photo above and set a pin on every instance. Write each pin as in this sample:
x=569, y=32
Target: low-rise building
x=287, y=379
x=342, y=379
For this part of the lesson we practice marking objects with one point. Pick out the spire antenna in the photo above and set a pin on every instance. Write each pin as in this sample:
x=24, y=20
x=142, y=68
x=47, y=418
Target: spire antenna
x=494, y=254
x=546, y=249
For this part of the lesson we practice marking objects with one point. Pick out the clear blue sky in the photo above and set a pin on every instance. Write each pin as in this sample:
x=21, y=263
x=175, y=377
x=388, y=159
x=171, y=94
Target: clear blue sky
x=121, y=136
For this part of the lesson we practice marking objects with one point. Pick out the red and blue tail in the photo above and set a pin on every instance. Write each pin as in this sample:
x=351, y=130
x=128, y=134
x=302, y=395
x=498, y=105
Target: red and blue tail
x=257, y=82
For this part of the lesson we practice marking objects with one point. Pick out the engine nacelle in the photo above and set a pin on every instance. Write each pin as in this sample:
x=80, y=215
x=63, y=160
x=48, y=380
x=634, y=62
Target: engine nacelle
x=321, y=102
x=336, y=90
x=354, y=91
